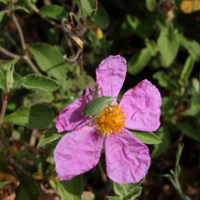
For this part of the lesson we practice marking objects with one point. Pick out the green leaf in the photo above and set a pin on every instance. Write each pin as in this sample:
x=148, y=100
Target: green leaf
x=49, y=136
x=54, y=12
x=160, y=149
x=187, y=69
x=167, y=108
x=142, y=28
x=3, y=183
x=33, y=116
x=138, y=61
x=192, y=47
x=34, y=81
x=188, y=130
x=101, y=18
x=134, y=193
x=2, y=80
x=195, y=84
x=120, y=189
x=168, y=45
x=3, y=1
x=7, y=69
x=49, y=60
x=27, y=189
x=71, y=189
x=123, y=190
x=195, y=106
x=146, y=137
x=114, y=198
x=151, y=5
x=165, y=81
x=1, y=15
x=4, y=165
x=151, y=45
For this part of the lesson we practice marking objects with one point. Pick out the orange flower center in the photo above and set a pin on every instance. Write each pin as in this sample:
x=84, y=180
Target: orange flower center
x=111, y=120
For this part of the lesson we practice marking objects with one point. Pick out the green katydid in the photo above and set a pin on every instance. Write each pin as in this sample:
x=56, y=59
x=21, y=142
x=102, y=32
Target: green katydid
x=95, y=107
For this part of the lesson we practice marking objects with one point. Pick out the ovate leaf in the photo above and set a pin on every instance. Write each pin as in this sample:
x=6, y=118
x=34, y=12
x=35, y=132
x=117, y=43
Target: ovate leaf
x=33, y=116
x=192, y=47
x=3, y=183
x=151, y=5
x=134, y=193
x=34, y=81
x=71, y=189
x=54, y=12
x=146, y=137
x=168, y=45
x=1, y=15
x=49, y=60
x=49, y=136
x=159, y=149
x=27, y=189
x=188, y=130
x=142, y=28
x=187, y=69
x=138, y=61
x=114, y=198
x=165, y=81
x=2, y=80
x=101, y=18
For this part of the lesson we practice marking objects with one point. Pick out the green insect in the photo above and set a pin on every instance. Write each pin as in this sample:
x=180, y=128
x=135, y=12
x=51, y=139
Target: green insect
x=95, y=107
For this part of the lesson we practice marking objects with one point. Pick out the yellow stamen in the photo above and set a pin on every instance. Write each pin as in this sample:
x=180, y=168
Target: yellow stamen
x=111, y=120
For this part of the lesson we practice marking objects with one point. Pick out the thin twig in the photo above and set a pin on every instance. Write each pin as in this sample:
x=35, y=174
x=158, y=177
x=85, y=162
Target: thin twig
x=17, y=166
x=12, y=55
x=28, y=60
x=75, y=58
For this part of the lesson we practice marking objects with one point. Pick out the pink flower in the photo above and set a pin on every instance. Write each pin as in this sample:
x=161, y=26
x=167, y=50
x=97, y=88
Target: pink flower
x=127, y=158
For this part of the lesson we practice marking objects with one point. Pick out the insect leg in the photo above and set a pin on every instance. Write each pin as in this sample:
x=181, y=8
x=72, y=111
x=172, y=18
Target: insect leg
x=99, y=113
x=95, y=88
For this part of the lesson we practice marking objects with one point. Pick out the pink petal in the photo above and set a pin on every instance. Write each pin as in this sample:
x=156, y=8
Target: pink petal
x=127, y=158
x=77, y=152
x=71, y=116
x=142, y=106
x=111, y=74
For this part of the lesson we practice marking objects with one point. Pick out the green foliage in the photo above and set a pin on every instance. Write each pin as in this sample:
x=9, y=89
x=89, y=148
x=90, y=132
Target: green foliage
x=1, y=15
x=168, y=44
x=139, y=61
x=128, y=191
x=142, y=28
x=33, y=116
x=34, y=81
x=175, y=174
x=57, y=14
x=70, y=190
x=162, y=148
x=151, y=5
x=3, y=183
x=28, y=189
x=49, y=136
x=49, y=59
x=147, y=137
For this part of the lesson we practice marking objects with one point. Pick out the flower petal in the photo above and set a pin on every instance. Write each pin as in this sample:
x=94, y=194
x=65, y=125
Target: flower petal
x=127, y=158
x=77, y=152
x=142, y=106
x=71, y=116
x=111, y=74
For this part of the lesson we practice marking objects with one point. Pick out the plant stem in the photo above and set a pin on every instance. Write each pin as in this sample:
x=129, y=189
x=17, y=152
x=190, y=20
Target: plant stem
x=9, y=53
x=5, y=101
x=26, y=57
